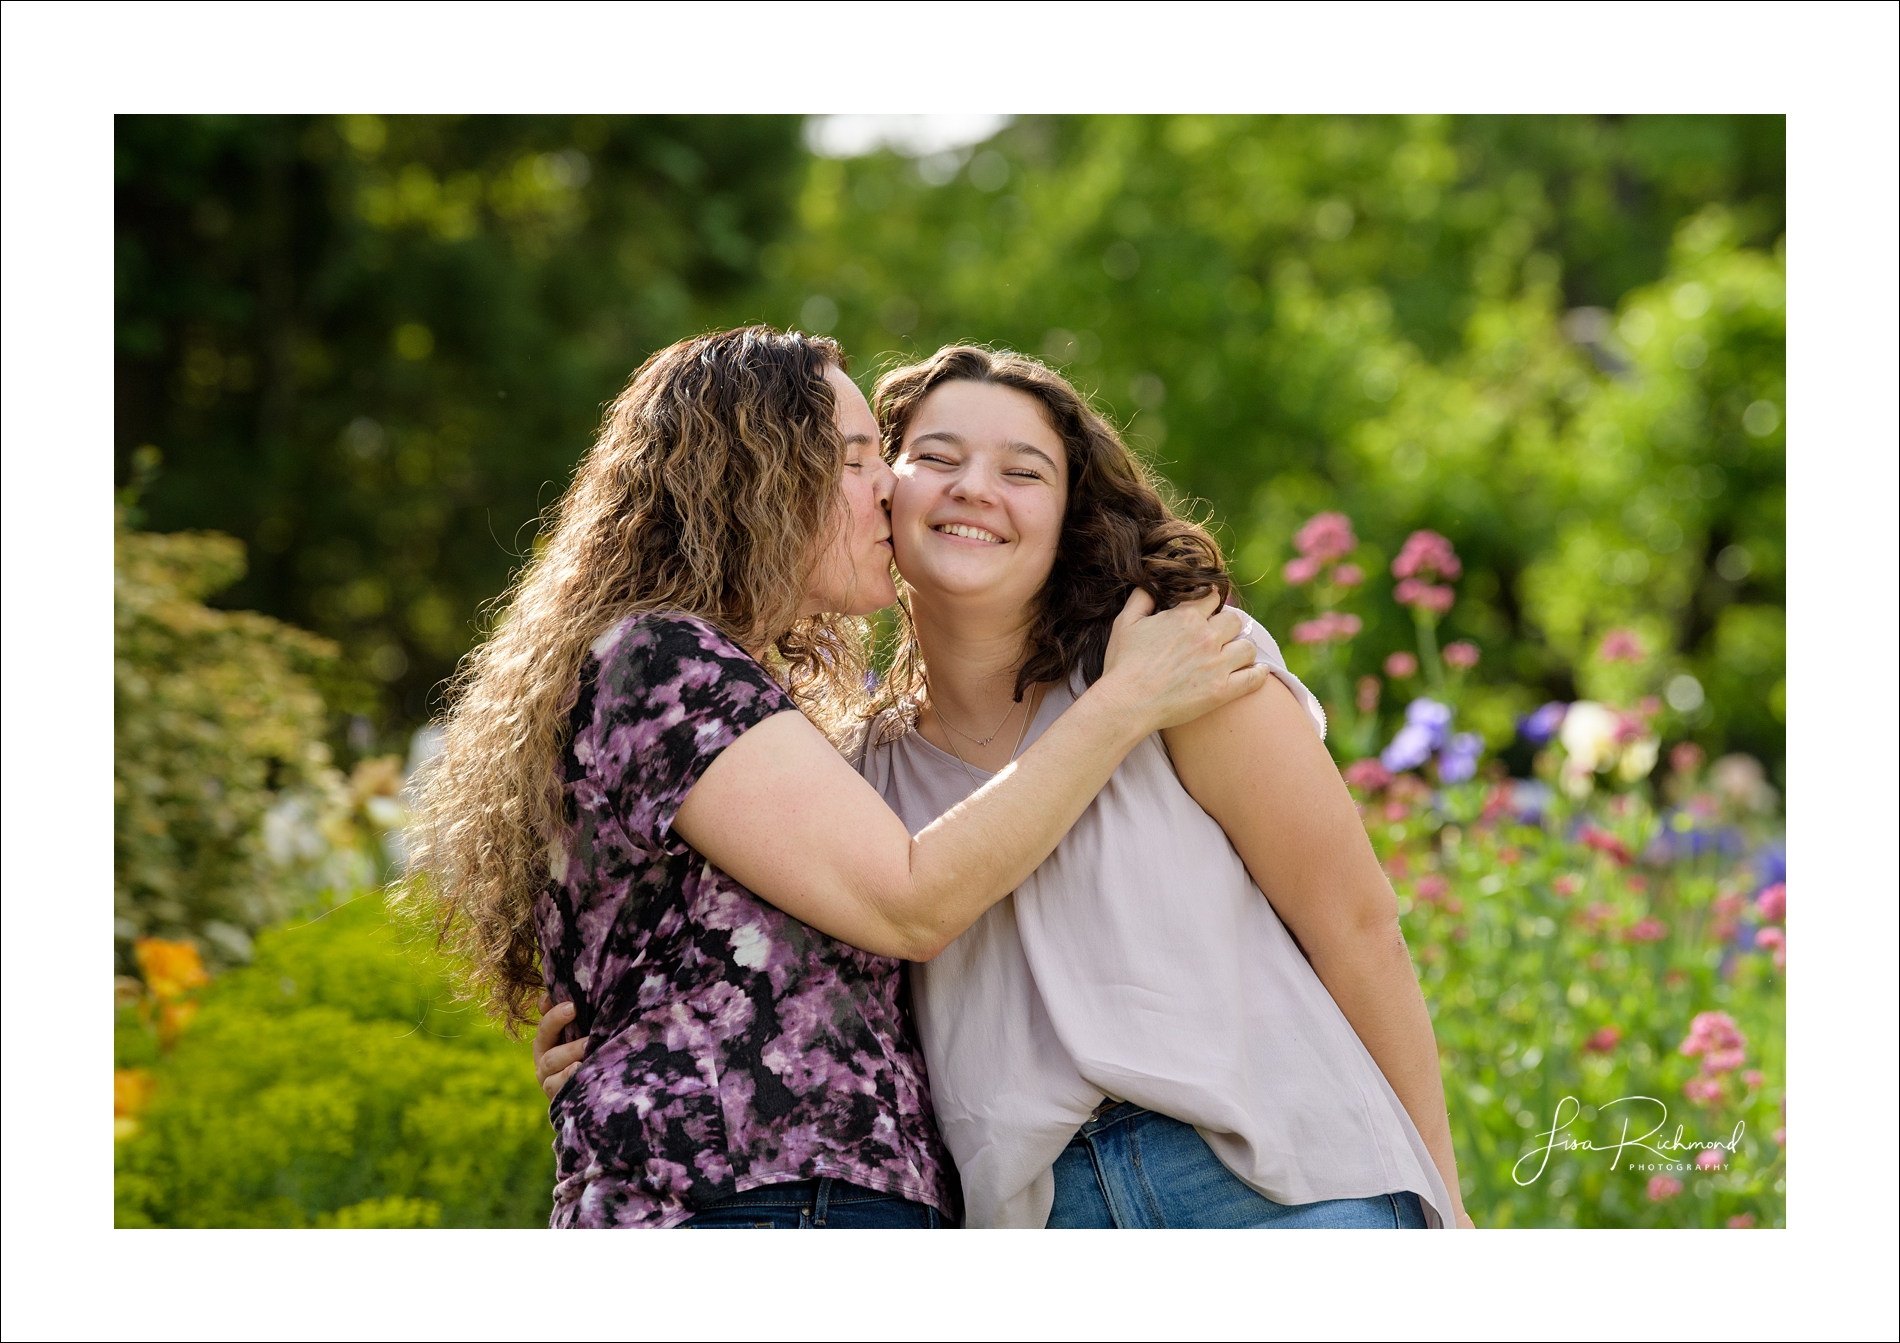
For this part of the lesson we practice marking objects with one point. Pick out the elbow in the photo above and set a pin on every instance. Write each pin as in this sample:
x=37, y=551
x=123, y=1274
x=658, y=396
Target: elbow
x=923, y=945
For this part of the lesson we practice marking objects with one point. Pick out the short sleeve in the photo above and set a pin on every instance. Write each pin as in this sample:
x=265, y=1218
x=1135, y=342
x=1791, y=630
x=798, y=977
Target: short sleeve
x=669, y=694
x=1270, y=654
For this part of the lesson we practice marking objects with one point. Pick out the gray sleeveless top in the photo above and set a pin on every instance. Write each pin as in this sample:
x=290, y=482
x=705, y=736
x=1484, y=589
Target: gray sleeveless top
x=1140, y=962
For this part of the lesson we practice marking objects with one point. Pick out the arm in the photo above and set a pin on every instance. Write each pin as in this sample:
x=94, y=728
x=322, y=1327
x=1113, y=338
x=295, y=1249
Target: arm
x=783, y=813
x=1296, y=828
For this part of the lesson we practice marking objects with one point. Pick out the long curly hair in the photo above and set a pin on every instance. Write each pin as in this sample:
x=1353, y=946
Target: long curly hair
x=1119, y=529
x=712, y=489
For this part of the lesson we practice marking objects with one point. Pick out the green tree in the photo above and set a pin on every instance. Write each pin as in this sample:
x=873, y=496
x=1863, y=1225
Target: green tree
x=374, y=347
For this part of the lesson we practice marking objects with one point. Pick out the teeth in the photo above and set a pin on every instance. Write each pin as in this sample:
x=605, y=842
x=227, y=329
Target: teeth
x=970, y=533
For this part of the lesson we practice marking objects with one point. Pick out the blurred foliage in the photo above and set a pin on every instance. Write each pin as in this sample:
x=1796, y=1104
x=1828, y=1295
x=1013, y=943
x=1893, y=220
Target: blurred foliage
x=374, y=347
x=331, y=1082
x=215, y=714
x=1566, y=952
x=1556, y=340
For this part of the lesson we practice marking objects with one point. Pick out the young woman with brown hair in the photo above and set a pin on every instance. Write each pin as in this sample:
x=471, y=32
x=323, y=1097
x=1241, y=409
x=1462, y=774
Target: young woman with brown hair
x=637, y=809
x=1136, y=1037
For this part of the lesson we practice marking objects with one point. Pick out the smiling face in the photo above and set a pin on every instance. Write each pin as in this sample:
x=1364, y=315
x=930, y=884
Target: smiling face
x=854, y=577
x=982, y=483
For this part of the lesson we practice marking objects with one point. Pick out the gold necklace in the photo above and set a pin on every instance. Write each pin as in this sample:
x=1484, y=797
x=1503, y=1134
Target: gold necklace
x=980, y=741
x=1020, y=735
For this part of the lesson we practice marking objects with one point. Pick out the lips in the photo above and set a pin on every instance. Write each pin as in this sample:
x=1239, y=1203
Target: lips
x=968, y=532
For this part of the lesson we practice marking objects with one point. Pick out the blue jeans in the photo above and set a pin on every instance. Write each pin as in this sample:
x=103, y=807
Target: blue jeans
x=1130, y=1167
x=807, y=1204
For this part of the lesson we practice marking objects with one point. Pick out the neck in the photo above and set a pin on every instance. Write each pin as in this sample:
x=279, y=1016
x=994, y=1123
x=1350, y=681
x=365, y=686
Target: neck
x=972, y=652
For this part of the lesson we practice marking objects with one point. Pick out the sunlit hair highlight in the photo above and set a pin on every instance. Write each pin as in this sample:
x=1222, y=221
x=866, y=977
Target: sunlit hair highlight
x=713, y=488
x=1119, y=530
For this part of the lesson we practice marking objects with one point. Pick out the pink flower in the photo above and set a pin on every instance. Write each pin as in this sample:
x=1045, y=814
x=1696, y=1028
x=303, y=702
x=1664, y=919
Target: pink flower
x=1647, y=930
x=1302, y=570
x=1367, y=697
x=1461, y=655
x=1620, y=645
x=1326, y=536
x=1426, y=553
x=1368, y=775
x=1424, y=596
x=1637, y=882
x=1753, y=1079
x=1741, y=1221
x=1662, y=1188
x=1780, y=1136
x=1702, y=1090
x=1432, y=887
x=1709, y=1158
x=1604, y=1040
x=1686, y=757
x=1401, y=665
x=1396, y=811
x=1649, y=706
x=1770, y=938
x=1332, y=627
x=1349, y=575
x=1714, y=1036
x=1772, y=904
x=1605, y=843
x=1567, y=885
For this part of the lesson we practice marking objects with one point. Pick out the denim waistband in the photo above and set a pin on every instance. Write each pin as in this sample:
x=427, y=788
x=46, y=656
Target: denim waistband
x=1110, y=1113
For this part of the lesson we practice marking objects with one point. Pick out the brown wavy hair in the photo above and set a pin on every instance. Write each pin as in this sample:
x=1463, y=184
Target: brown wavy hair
x=712, y=489
x=1119, y=530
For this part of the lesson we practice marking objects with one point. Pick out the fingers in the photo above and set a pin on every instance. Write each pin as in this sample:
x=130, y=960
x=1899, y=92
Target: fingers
x=1208, y=603
x=543, y=1003
x=1139, y=604
x=1247, y=680
x=554, y=1084
x=554, y=1020
x=559, y=1062
x=1227, y=624
x=1239, y=653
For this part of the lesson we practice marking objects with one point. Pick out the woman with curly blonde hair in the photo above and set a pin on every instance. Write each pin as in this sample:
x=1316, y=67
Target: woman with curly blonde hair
x=637, y=809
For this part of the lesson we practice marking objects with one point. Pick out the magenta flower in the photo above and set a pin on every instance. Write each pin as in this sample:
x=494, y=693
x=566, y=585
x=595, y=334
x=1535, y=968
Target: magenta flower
x=1401, y=665
x=1567, y=885
x=1780, y=1136
x=1714, y=1036
x=1326, y=536
x=1461, y=655
x=1647, y=930
x=1719, y=1061
x=1433, y=887
x=1770, y=938
x=1423, y=596
x=1741, y=1221
x=1302, y=570
x=1663, y=1188
x=1426, y=553
x=1368, y=775
x=1686, y=757
x=1349, y=575
x=1772, y=903
x=1621, y=645
x=1709, y=1158
x=1367, y=696
x=1332, y=627
x=1753, y=1079
x=1702, y=1090
x=1604, y=1040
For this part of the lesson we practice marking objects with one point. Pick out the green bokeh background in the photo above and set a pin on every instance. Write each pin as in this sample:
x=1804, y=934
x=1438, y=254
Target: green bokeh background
x=373, y=349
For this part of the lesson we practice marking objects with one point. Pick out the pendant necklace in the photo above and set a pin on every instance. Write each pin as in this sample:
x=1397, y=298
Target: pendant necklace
x=1020, y=735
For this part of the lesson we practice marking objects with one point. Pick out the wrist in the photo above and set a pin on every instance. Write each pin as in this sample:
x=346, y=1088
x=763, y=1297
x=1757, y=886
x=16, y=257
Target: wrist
x=1114, y=712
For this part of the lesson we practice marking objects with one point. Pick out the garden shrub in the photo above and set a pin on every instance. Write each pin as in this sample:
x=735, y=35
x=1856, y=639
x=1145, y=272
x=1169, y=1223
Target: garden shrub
x=335, y=1082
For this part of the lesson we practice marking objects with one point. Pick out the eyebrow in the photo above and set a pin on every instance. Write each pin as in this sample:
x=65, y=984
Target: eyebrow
x=1014, y=445
x=857, y=440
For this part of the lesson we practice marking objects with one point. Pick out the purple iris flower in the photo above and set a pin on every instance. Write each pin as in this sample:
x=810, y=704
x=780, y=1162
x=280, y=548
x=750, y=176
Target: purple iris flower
x=1459, y=760
x=1771, y=864
x=1540, y=726
x=1427, y=723
x=1530, y=799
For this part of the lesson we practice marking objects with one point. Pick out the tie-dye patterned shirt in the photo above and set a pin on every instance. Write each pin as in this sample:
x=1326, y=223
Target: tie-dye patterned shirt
x=730, y=1045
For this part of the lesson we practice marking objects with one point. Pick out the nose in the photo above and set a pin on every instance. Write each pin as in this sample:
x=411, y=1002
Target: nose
x=972, y=486
x=886, y=484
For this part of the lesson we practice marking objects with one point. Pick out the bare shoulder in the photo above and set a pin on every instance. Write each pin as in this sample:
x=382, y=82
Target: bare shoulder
x=1268, y=727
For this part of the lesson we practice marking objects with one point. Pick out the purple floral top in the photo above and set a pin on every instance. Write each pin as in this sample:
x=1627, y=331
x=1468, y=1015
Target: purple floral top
x=731, y=1046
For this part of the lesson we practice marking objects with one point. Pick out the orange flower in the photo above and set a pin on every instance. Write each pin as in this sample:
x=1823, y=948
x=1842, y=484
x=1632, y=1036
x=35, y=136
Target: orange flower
x=131, y=1092
x=171, y=969
x=172, y=1020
